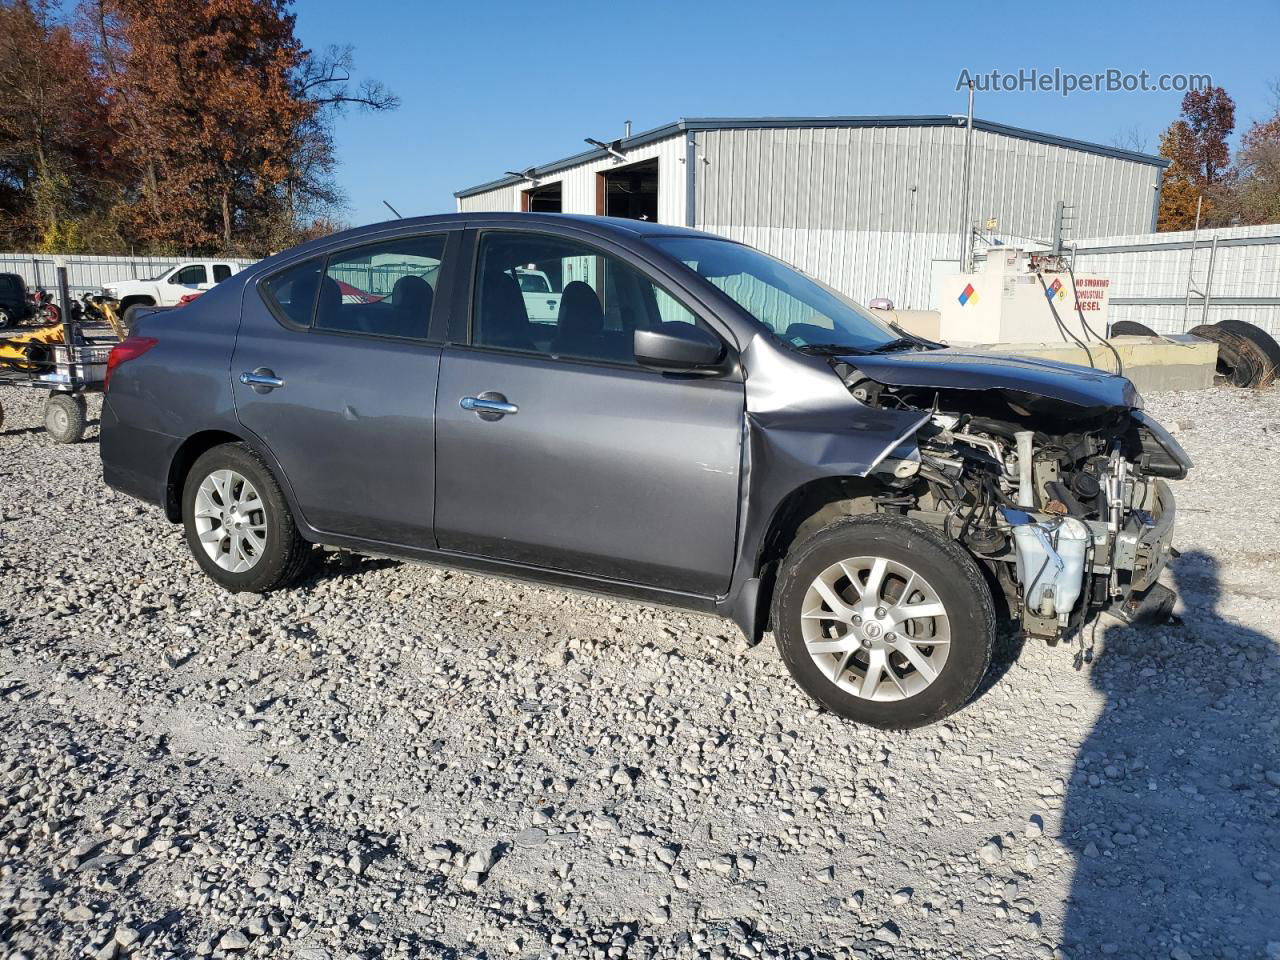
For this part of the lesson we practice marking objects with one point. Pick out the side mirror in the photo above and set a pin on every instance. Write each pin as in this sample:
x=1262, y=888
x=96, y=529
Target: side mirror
x=678, y=347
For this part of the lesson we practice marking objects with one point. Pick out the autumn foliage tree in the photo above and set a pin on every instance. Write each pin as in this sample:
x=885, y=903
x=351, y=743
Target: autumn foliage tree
x=57, y=171
x=1255, y=177
x=1196, y=145
x=204, y=94
x=185, y=125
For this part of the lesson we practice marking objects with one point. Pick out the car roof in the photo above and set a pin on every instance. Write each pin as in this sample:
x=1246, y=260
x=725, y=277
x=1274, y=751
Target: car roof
x=620, y=229
x=605, y=226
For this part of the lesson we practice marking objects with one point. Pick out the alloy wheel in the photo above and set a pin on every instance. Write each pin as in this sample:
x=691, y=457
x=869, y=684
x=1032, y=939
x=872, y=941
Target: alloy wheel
x=231, y=521
x=876, y=628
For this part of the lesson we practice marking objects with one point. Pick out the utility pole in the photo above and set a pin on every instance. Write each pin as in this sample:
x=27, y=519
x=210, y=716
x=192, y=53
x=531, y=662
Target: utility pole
x=966, y=238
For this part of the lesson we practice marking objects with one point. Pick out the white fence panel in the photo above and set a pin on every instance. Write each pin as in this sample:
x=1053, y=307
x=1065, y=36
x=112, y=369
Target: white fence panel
x=87, y=274
x=1238, y=267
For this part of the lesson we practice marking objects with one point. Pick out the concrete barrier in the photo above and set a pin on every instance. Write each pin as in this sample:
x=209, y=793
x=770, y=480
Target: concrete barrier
x=1179, y=362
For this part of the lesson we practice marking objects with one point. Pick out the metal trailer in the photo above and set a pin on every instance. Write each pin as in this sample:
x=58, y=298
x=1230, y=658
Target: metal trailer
x=67, y=370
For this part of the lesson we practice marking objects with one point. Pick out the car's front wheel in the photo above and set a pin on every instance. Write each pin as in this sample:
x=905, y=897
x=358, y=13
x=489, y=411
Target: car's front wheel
x=883, y=621
x=238, y=523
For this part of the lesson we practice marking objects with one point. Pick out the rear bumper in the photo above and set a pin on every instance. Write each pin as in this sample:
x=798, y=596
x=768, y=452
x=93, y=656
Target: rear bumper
x=135, y=462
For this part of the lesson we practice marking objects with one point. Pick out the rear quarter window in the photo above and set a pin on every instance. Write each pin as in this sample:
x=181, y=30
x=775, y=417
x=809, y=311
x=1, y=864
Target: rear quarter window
x=291, y=293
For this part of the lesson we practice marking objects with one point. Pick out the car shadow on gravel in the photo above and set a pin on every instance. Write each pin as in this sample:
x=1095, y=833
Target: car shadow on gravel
x=1004, y=654
x=339, y=565
x=1171, y=812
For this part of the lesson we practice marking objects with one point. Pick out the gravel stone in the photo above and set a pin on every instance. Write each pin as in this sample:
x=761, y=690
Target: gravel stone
x=400, y=761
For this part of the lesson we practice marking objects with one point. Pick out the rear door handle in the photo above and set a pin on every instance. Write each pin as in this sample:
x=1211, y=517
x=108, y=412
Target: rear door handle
x=490, y=405
x=262, y=380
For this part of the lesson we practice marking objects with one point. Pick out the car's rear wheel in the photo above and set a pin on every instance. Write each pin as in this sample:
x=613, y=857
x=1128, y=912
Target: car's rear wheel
x=6, y=319
x=238, y=523
x=883, y=621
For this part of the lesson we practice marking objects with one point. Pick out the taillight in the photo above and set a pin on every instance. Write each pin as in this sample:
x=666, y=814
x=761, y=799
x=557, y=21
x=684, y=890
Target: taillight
x=128, y=349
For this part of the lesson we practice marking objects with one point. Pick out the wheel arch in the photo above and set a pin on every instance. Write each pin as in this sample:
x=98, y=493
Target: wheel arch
x=137, y=299
x=810, y=507
x=201, y=442
x=180, y=464
x=804, y=509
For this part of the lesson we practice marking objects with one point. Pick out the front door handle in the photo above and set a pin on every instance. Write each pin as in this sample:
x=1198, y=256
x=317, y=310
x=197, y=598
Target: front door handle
x=262, y=380
x=489, y=405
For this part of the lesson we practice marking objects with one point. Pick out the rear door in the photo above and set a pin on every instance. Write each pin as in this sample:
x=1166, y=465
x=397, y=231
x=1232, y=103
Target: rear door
x=341, y=367
x=600, y=467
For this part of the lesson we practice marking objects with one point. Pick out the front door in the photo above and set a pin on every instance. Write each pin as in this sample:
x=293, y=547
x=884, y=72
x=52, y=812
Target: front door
x=341, y=381
x=556, y=450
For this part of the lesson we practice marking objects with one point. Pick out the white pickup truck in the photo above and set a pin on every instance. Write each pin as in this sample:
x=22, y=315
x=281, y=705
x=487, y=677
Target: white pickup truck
x=541, y=302
x=194, y=276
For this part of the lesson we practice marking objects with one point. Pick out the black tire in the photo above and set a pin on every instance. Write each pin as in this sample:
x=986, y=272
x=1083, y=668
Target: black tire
x=286, y=555
x=6, y=319
x=948, y=569
x=65, y=417
x=1131, y=328
x=1240, y=362
x=1260, y=339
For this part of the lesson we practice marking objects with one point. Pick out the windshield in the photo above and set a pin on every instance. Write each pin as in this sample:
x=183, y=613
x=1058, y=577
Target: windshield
x=794, y=307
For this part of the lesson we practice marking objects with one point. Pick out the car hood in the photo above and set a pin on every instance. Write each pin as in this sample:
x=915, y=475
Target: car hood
x=954, y=369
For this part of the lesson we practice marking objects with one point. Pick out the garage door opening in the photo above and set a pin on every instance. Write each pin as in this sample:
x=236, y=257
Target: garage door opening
x=630, y=191
x=546, y=199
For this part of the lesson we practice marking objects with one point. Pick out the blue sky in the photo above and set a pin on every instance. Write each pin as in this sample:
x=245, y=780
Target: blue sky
x=491, y=86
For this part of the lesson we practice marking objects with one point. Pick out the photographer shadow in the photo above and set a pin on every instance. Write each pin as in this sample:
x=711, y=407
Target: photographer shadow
x=1172, y=812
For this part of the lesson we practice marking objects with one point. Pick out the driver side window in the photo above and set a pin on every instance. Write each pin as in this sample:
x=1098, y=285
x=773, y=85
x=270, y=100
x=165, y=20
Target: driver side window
x=556, y=296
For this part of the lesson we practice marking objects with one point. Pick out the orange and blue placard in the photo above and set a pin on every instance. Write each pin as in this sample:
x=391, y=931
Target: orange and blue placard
x=968, y=295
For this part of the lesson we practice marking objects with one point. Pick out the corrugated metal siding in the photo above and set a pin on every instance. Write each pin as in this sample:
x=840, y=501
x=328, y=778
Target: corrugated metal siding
x=578, y=184
x=1245, y=272
x=86, y=274
x=503, y=199
x=869, y=209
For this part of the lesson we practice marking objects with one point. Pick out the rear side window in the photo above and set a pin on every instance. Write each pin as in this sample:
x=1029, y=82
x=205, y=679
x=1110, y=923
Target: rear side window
x=8, y=283
x=384, y=289
x=195, y=273
x=220, y=272
x=292, y=292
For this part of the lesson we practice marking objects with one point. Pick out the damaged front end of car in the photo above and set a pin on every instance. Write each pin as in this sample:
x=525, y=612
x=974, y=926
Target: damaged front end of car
x=1050, y=475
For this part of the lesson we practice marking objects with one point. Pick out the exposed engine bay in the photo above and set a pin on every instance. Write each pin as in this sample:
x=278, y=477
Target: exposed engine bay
x=1066, y=505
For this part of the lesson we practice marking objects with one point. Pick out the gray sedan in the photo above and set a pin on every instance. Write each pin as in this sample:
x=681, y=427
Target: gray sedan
x=690, y=422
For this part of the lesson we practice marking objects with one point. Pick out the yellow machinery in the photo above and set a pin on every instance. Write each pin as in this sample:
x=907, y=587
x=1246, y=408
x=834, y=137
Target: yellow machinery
x=32, y=351
x=58, y=358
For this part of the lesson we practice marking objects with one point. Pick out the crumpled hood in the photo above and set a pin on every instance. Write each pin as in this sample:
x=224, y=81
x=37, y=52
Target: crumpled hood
x=955, y=369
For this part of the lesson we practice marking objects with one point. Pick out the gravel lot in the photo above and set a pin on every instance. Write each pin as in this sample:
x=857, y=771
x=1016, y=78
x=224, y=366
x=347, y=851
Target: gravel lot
x=396, y=760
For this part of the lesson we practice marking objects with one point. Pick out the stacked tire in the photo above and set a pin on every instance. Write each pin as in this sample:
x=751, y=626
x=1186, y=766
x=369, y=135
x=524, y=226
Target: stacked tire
x=1248, y=356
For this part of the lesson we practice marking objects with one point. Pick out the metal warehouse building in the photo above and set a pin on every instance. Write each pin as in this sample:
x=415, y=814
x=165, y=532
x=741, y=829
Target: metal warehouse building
x=871, y=205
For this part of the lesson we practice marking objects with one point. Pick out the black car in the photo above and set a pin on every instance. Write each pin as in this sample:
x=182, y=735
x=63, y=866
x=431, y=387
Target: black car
x=681, y=419
x=15, y=305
